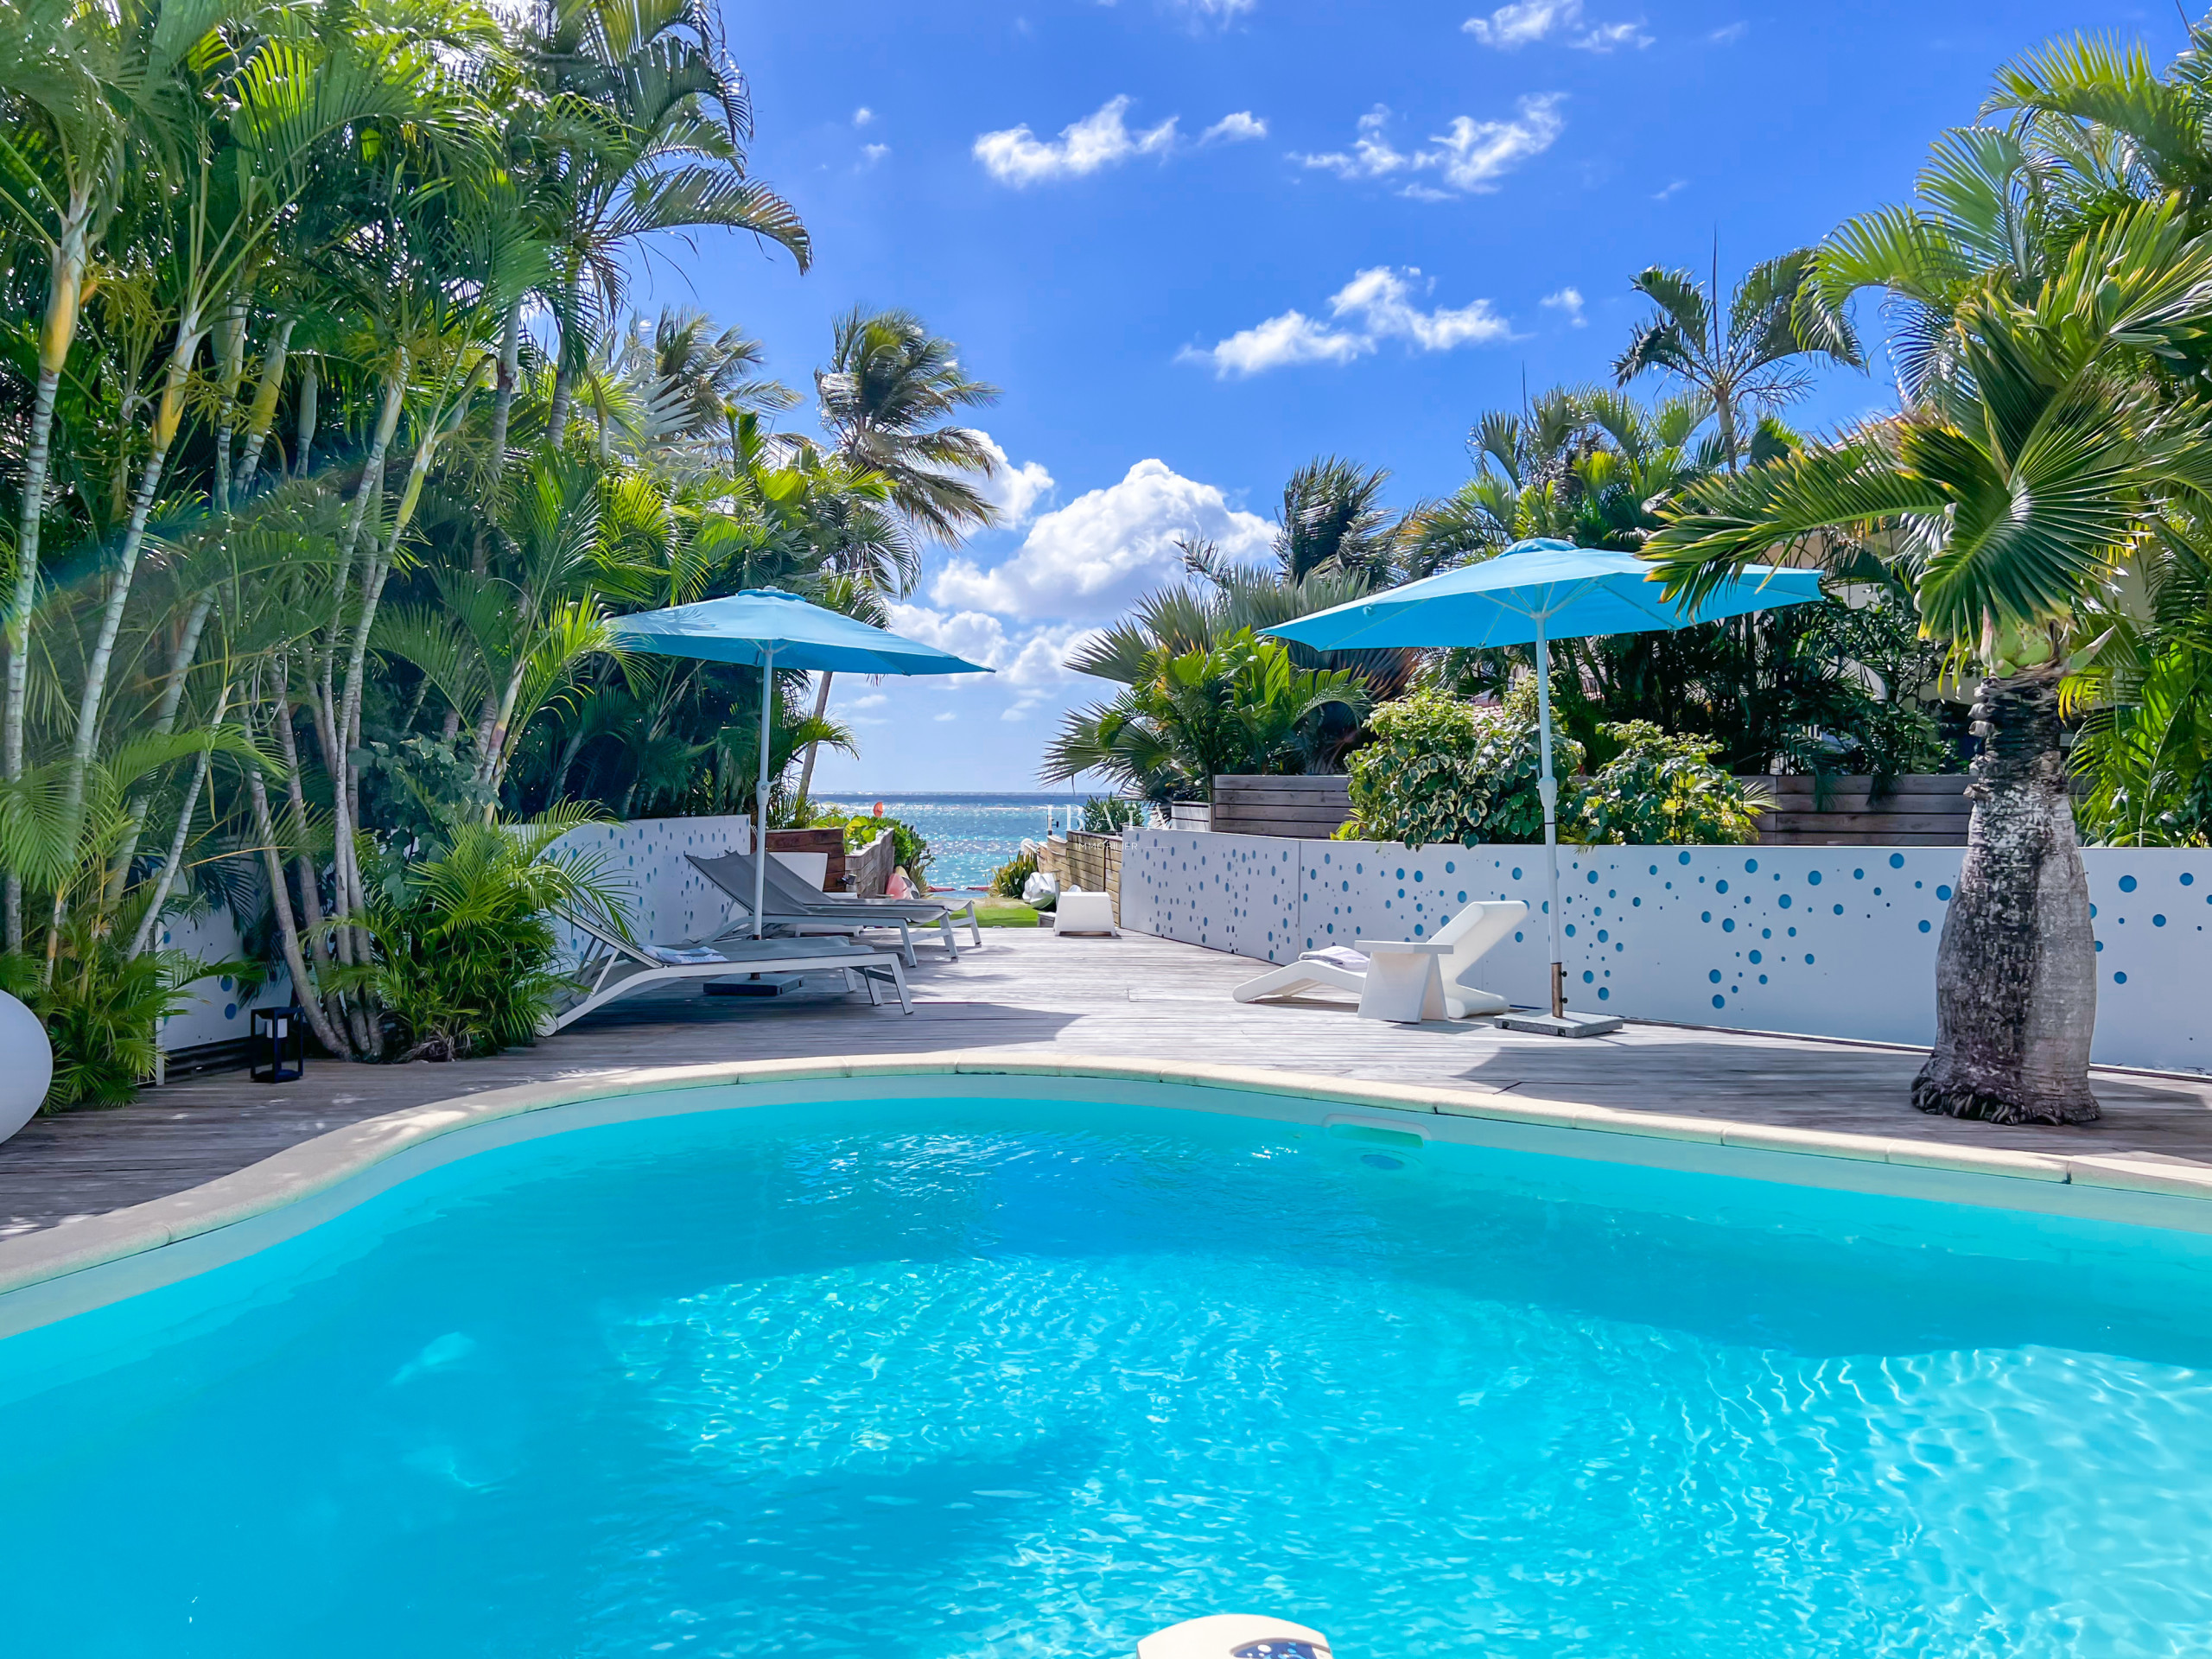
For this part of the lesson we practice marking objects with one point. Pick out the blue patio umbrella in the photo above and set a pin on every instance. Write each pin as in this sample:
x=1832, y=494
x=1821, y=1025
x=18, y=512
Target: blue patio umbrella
x=767, y=629
x=1535, y=592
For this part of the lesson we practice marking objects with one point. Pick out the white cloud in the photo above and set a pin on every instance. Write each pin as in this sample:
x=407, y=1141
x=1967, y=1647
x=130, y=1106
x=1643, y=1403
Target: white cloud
x=1034, y=666
x=1568, y=302
x=872, y=153
x=1469, y=157
x=1525, y=22
x=872, y=700
x=1018, y=156
x=1234, y=128
x=862, y=115
x=1661, y=195
x=1092, y=557
x=1280, y=342
x=948, y=715
x=1213, y=11
x=1729, y=34
x=1475, y=154
x=1377, y=304
x=1015, y=491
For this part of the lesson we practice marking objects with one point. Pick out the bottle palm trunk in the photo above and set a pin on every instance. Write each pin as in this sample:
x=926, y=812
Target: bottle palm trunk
x=2015, y=976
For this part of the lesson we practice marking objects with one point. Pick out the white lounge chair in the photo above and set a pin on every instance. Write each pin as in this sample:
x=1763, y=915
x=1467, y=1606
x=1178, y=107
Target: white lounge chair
x=1406, y=981
x=615, y=968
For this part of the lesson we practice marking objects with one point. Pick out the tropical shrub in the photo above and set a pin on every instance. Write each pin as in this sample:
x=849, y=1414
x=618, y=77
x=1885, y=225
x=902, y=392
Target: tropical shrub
x=909, y=850
x=1108, y=815
x=1242, y=705
x=1008, y=878
x=1442, y=770
x=1662, y=790
x=102, y=1009
x=466, y=950
x=1415, y=782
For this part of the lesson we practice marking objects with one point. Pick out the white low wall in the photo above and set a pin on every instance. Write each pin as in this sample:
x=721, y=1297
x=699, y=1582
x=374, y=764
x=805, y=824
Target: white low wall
x=644, y=861
x=1823, y=941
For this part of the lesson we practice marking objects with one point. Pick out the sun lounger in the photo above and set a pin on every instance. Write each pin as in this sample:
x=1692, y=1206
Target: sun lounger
x=1406, y=981
x=791, y=907
x=615, y=968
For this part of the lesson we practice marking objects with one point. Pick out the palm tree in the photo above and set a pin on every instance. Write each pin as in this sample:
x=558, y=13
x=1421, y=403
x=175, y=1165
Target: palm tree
x=2006, y=494
x=1751, y=363
x=96, y=88
x=1333, y=520
x=649, y=121
x=888, y=394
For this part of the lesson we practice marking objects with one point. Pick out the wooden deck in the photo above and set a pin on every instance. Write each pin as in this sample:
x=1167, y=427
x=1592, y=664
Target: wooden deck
x=1034, y=990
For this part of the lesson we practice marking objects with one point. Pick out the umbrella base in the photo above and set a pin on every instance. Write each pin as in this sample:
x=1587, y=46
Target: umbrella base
x=1569, y=1024
x=756, y=985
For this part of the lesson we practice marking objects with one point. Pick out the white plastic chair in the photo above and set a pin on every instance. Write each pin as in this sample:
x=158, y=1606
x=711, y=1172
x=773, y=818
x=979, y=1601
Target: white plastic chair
x=1406, y=981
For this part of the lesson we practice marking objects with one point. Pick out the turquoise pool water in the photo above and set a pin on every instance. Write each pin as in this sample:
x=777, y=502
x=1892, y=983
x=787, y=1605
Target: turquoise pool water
x=937, y=1378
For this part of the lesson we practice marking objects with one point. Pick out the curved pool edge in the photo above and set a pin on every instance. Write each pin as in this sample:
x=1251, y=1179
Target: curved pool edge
x=2138, y=1189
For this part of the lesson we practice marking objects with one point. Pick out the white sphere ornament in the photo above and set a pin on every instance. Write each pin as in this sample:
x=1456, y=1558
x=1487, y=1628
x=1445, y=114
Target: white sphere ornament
x=26, y=1064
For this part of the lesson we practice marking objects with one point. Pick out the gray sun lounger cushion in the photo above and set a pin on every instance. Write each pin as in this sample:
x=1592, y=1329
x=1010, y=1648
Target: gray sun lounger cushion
x=788, y=897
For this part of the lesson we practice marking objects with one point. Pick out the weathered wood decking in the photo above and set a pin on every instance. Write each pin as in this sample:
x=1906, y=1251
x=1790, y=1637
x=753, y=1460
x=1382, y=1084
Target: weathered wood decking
x=1137, y=996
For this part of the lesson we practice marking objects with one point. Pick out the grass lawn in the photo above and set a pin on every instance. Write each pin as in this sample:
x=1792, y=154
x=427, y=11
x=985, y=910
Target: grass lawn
x=994, y=911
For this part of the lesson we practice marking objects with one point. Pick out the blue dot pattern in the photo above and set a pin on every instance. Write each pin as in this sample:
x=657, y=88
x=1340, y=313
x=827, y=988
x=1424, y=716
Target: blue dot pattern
x=1861, y=962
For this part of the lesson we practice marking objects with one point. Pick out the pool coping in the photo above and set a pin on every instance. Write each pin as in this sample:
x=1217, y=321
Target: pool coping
x=313, y=1167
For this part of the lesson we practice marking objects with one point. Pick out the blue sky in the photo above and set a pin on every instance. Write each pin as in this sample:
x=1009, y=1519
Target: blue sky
x=1197, y=242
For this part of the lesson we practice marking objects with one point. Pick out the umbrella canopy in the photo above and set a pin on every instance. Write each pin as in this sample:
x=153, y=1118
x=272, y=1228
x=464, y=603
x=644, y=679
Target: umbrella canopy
x=1551, y=589
x=1535, y=592
x=764, y=628
x=760, y=624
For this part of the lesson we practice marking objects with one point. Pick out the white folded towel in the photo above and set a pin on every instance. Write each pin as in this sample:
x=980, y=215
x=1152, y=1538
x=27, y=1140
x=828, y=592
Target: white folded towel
x=682, y=958
x=1338, y=956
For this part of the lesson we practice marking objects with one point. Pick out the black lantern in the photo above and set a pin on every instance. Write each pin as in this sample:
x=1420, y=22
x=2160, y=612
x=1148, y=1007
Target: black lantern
x=281, y=1036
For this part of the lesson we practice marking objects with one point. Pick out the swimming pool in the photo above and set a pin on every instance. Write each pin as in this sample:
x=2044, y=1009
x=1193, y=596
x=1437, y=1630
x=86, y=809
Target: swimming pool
x=955, y=1366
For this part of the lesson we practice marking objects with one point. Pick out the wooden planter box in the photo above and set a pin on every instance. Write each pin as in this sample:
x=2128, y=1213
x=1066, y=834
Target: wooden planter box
x=1311, y=808
x=830, y=843
x=1915, y=811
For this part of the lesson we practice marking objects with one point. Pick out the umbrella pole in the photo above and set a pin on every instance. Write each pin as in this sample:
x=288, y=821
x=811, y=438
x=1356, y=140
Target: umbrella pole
x=760, y=798
x=1548, y=788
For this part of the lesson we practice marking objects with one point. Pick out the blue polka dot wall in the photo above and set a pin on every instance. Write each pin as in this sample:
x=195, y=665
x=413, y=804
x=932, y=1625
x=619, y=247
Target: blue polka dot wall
x=1830, y=941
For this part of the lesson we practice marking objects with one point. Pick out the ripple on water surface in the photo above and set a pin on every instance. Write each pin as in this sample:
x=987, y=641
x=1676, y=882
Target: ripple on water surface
x=1035, y=1380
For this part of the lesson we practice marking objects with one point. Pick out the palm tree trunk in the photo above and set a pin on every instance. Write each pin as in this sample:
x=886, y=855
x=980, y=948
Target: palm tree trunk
x=564, y=378
x=311, y=379
x=263, y=415
x=821, y=710
x=304, y=989
x=57, y=333
x=2016, y=975
x=187, y=647
x=166, y=419
x=151, y=920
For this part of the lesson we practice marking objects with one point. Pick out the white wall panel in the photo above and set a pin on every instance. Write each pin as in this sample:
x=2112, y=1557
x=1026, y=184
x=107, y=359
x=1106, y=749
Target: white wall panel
x=1825, y=941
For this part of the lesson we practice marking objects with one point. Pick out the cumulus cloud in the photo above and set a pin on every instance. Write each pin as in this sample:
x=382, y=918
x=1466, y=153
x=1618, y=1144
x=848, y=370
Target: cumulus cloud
x=1017, y=492
x=1234, y=128
x=1524, y=23
x=1469, y=157
x=1568, y=302
x=1377, y=304
x=1728, y=34
x=871, y=154
x=862, y=115
x=1092, y=557
x=1214, y=12
x=1018, y=156
x=1032, y=664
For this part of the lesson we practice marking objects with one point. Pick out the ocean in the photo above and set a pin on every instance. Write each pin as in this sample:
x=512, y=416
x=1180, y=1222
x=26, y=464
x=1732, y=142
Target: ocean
x=969, y=835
